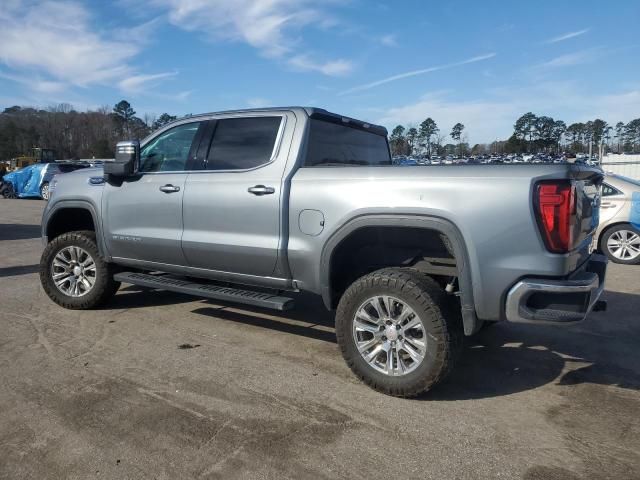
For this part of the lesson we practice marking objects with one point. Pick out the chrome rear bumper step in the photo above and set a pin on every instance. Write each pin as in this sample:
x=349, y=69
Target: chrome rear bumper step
x=206, y=290
x=568, y=300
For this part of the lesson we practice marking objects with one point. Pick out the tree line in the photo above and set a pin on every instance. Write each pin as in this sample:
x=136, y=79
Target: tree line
x=94, y=133
x=73, y=134
x=427, y=139
x=531, y=134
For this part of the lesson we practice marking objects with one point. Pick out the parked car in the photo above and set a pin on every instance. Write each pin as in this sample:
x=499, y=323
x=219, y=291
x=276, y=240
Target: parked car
x=300, y=199
x=618, y=235
x=58, y=168
x=408, y=162
x=33, y=181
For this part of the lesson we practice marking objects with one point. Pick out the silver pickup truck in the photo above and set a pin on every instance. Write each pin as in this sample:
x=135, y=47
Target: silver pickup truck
x=247, y=206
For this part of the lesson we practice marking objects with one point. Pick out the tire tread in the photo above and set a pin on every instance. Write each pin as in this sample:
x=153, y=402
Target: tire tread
x=105, y=286
x=446, y=326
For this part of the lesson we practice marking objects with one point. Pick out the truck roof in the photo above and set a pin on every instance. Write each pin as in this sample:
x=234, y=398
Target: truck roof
x=312, y=112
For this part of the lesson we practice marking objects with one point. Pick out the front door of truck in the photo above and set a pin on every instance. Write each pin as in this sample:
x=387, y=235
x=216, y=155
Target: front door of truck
x=232, y=201
x=143, y=214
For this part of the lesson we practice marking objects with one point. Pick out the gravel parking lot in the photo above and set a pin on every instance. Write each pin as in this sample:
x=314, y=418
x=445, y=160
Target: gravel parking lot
x=160, y=385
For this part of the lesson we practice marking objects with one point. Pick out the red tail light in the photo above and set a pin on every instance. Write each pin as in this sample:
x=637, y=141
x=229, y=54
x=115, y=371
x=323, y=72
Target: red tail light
x=556, y=205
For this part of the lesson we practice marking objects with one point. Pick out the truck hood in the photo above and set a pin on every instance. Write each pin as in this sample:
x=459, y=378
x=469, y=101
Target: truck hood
x=77, y=185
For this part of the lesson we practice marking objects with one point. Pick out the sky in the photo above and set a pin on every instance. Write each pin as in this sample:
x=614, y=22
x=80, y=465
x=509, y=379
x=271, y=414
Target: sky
x=482, y=63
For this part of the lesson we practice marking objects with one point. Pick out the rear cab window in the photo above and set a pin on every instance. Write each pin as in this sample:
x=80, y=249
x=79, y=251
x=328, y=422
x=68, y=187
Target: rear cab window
x=342, y=145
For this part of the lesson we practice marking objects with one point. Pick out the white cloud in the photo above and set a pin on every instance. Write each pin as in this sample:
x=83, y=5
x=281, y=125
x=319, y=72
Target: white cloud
x=135, y=83
x=259, y=103
x=270, y=26
x=35, y=83
x=413, y=73
x=389, y=40
x=494, y=116
x=571, y=59
x=58, y=44
x=567, y=36
x=484, y=120
x=334, y=68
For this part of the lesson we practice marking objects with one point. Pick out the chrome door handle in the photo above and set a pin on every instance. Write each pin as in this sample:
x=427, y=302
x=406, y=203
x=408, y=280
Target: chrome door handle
x=169, y=188
x=261, y=190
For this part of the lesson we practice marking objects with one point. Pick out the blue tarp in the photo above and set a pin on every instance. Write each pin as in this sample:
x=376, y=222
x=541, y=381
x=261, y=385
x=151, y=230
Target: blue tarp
x=26, y=181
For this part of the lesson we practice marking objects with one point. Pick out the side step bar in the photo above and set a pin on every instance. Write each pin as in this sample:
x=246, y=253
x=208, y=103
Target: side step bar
x=214, y=292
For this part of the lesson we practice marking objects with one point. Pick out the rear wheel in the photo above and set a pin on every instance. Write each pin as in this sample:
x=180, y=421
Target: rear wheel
x=74, y=275
x=622, y=244
x=398, y=331
x=7, y=190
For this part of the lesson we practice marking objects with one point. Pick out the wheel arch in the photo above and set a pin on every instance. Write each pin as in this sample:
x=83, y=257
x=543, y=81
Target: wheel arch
x=85, y=217
x=438, y=224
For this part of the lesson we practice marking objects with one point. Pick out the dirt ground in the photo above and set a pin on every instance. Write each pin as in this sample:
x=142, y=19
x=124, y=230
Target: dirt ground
x=160, y=385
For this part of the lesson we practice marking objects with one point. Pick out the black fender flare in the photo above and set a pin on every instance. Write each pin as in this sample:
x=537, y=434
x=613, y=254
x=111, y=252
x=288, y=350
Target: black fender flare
x=441, y=225
x=78, y=204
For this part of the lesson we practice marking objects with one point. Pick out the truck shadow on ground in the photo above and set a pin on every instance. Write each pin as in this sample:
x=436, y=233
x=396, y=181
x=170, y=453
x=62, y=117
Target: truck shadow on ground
x=19, y=270
x=505, y=358
x=133, y=296
x=501, y=360
x=510, y=358
x=16, y=231
x=308, y=319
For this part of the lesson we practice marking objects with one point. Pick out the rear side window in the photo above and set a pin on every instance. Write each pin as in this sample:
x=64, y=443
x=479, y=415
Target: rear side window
x=331, y=144
x=243, y=143
x=608, y=190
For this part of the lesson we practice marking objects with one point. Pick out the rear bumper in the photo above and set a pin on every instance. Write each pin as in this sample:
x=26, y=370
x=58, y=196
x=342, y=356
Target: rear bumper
x=567, y=300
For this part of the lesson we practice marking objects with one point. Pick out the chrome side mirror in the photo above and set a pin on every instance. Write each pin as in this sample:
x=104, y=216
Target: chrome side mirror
x=127, y=160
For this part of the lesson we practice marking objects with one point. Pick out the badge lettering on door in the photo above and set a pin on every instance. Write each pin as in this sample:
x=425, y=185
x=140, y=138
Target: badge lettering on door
x=126, y=238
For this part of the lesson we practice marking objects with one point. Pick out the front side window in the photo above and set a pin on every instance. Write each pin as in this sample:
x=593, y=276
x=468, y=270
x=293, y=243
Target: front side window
x=243, y=143
x=169, y=151
x=332, y=144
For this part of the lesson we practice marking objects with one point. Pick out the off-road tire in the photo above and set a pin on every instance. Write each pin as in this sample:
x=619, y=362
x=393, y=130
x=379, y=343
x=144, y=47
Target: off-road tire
x=105, y=286
x=440, y=315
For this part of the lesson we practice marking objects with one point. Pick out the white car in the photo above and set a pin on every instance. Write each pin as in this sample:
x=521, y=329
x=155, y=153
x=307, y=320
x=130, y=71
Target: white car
x=618, y=235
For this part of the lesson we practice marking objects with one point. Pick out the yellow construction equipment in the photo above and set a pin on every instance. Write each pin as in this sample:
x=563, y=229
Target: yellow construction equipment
x=38, y=155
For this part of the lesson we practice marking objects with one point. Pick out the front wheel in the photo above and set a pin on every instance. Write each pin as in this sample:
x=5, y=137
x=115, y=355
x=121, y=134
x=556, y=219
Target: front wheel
x=44, y=191
x=73, y=274
x=398, y=331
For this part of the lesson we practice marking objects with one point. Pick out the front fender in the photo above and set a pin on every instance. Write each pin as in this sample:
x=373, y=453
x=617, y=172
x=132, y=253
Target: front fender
x=58, y=207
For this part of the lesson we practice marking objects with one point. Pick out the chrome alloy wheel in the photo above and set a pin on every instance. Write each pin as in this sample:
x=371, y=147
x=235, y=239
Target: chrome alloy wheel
x=389, y=335
x=73, y=271
x=624, y=245
x=44, y=191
